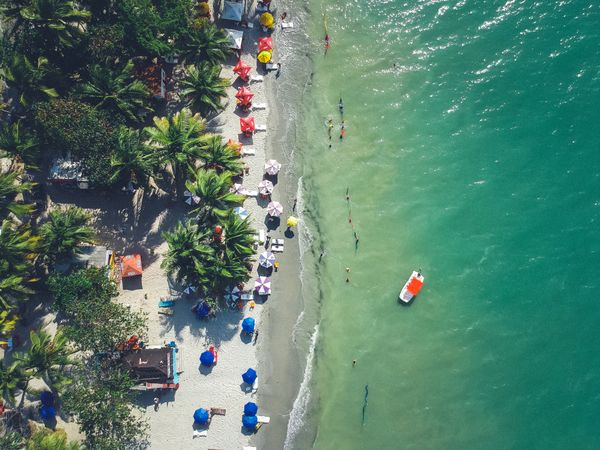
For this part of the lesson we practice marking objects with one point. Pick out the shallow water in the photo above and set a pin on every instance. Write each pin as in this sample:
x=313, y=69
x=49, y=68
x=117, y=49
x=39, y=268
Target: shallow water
x=475, y=159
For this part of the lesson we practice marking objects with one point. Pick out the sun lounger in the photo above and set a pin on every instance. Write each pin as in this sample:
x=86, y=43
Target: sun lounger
x=166, y=303
x=249, y=448
x=277, y=248
x=200, y=433
x=278, y=242
x=285, y=25
x=261, y=236
x=251, y=193
x=261, y=128
x=259, y=106
x=263, y=419
x=271, y=66
x=165, y=311
x=248, y=152
x=255, y=385
x=218, y=411
x=247, y=297
x=256, y=78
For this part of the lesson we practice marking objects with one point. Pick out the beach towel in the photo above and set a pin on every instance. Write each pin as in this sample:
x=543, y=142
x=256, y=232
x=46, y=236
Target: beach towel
x=263, y=419
x=166, y=303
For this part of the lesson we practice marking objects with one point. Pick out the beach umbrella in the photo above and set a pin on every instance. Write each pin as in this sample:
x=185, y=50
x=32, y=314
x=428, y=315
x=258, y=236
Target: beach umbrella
x=47, y=398
x=234, y=144
x=265, y=43
x=188, y=200
x=201, y=416
x=272, y=167
x=242, y=70
x=244, y=95
x=292, y=221
x=265, y=187
x=248, y=325
x=249, y=422
x=238, y=189
x=266, y=259
x=187, y=193
x=207, y=358
x=274, y=209
x=250, y=409
x=232, y=293
x=196, y=199
x=263, y=285
x=264, y=56
x=247, y=125
x=241, y=212
x=249, y=376
x=47, y=412
x=202, y=310
x=189, y=289
x=266, y=20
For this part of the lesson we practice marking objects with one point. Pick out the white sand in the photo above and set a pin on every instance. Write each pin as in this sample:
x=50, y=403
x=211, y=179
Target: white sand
x=172, y=425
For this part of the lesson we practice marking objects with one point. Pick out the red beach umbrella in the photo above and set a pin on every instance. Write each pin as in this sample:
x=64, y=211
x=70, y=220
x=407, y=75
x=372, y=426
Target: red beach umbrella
x=265, y=43
x=247, y=125
x=244, y=95
x=242, y=70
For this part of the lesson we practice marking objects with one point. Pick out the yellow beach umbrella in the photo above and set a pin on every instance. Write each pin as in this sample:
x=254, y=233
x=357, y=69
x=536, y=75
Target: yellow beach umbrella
x=203, y=9
x=292, y=221
x=266, y=20
x=264, y=56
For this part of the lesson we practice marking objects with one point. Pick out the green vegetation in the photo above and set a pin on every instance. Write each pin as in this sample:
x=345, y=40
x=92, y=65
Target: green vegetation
x=204, y=88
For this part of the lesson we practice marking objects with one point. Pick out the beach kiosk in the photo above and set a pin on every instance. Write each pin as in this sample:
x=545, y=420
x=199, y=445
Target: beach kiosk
x=131, y=265
x=152, y=367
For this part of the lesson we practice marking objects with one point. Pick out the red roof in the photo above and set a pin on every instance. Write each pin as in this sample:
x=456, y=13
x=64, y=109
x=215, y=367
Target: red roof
x=131, y=266
x=414, y=286
x=265, y=43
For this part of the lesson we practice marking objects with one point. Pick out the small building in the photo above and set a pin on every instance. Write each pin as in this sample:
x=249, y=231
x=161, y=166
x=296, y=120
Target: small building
x=152, y=367
x=68, y=173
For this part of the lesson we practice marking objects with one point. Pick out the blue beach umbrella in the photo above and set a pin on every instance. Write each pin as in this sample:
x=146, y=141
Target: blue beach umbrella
x=47, y=398
x=203, y=310
x=248, y=325
x=249, y=422
x=201, y=416
x=47, y=412
x=250, y=376
x=207, y=358
x=241, y=212
x=250, y=409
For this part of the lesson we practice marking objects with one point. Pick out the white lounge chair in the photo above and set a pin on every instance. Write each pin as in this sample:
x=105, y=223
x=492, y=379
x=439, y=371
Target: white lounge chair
x=256, y=78
x=247, y=296
x=248, y=151
x=277, y=248
x=280, y=242
x=263, y=419
x=259, y=106
x=255, y=385
x=261, y=236
x=200, y=433
x=251, y=193
x=249, y=448
x=271, y=66
x=261, y=128
x=285, y=25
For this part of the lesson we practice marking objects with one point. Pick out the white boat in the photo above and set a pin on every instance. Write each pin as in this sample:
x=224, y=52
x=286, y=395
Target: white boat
x=412, y=287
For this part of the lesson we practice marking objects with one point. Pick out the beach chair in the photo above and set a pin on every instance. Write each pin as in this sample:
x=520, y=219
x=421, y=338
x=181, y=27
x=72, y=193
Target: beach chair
x=249, y=448
x=215, y=353
x=276, y=248
x=285, y=25
x=263, y=419
x=271, y=66
x=248, y=152
x=251, y=194
x=255, y=386
x=261, y=236
x=256, y=78
x=279, y=242
x=199, y=433
x=166, y=303
x=165, y=311
x=218, y=411
x=256, y=106
x=261, y=128
x=247, y=296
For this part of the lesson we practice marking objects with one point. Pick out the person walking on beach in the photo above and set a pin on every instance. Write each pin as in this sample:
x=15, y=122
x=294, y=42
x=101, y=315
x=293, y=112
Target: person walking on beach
x=255, y=336
x=156, y=403
x=294, y=205
x=278, y=70
x=321, y=256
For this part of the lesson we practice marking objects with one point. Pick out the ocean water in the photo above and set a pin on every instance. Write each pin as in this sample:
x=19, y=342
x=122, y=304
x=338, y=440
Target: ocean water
x=471, y=151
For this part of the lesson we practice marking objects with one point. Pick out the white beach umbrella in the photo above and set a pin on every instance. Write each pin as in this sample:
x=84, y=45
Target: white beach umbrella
x=238, y=189
x=265, y=187
x=232, y=293
x=196, y=199
x=188, y=200
x=266, y=259
x=189, y=289
x=187, y=194
x=263, y=285
x=241, y=212
x=274, y=209
x=272, y=167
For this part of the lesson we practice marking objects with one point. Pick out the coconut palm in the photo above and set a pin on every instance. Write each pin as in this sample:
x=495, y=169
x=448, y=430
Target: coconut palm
x=132, y=160
x=13, y=288
x=59, y=20
x=11, y=440
x=66, y=229
x=11, y=378
x=118, y=92
x=177, y=140
x=18, y=248
x=45, y=439
x=28, y=79
x=46, y=358
x=219, y=156
x=238, y=240
x=16, y=144
x=206, y=43
x=189, y=256
x=204, y=88
x=10, y=187
x=213, y=189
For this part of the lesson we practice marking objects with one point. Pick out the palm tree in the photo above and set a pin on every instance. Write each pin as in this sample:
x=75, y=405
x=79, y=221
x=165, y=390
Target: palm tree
x=189, y=256
x=45, y=439
x=46, y=358
x=118, y=92
x=11, y=440
x=28, y=79
x=132, y=160
x=10, y=187
x=18, y=145
x=238, y=240
x=219, y=156
x=59, y=20
x=12, y=288
x=66, y=229
x=11, y=378
x=18, y=247
x=204, y=88
x=177, y=140
x=206, y=43
x=214, y=192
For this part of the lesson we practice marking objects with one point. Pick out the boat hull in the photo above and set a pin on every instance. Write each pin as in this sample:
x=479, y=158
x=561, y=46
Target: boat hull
x=411, y=288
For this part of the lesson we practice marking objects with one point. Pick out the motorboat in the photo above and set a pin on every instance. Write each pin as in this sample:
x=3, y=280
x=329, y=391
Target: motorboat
x=412, y=287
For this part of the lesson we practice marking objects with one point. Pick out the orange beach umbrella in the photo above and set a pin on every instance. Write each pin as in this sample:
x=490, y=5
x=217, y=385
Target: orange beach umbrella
x=247, y=125
x=265, y=43
x=131, y=265
x=234, y=145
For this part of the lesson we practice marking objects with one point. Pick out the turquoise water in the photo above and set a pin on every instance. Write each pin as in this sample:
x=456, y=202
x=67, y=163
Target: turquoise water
x=476, y=158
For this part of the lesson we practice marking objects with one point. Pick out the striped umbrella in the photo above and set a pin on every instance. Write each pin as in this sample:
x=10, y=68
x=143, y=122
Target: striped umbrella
x=189, y=289
x=272, y=167
x=240, y=212
x=263, y=285
x=265, y=187
x=266, y=259
x=238, y=189
x=232, y=293
x=274, y=209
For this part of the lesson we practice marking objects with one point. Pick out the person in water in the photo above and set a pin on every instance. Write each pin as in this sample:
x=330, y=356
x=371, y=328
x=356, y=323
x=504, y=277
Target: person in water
x=342, y=130
x=341, y=106
x=329, y=127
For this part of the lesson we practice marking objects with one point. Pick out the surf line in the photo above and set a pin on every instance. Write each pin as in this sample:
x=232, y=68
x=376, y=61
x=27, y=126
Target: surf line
x=366, y=402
